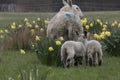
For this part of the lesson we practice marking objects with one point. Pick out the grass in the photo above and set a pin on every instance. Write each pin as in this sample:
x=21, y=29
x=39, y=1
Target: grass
x=12, y=61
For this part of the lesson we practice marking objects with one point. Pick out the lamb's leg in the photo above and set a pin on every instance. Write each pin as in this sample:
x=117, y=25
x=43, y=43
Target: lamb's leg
x=94, y=59
x=100, y=60
x=86, y=58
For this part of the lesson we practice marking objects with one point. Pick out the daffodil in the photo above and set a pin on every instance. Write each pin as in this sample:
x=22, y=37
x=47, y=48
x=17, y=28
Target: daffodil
x=36, y=26
x=46, y=22
x=96, y=36
x=38, y=19
x=22, y=51
x=58, y=43
x=13, y=23
x=32, y=31
x=113, y=25
x=87, y=27
x=13, y=27
x=19, y=25
x=107, y=33
x=119, y=25
x=98, y=20
x=1, y=31
x=41, y=29
x=84, y=21
x=106, y=22
x=61, y=39
x=33, y=22
x=37, y=38
x=6, y=31
x=50, y=49
x=26, y=19
x=104, y=29
x=102, y=36
x=101, y=23
x=115, y=22
x=1, y=36
x=91, y=24
x=104, y=26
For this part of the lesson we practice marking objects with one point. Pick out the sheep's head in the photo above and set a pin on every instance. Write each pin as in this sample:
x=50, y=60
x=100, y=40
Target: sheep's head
x=69, y=7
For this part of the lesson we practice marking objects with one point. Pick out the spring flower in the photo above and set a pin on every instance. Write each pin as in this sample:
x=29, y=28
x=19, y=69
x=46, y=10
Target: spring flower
x=46, y=22
x=33, y=46
x=95, y=36
x=98, y=20
x=104, y=29
x=106, y=22
x=91, y=24
x=1, y=36
x=36, y=26
x=32, y=31
x=37, y=38
x=119, y=25
x=101, y=23
x=61, y=39
x=6, y=31
x=87, y=27
x=22, y=51
x=19, y=25
x=38, y=19
x=26, y=19
x=51, y=49
x=102, y=36
x=13, y=23
x=19, y=76
x=13, y=27
x=33, y=22
x=104, y=26
x=1, y=31
x=28, y=24
x=41, y=29
x=113, y=25
x=84, y=21
x=115, y=22
x=58, y=43
x=107, y=33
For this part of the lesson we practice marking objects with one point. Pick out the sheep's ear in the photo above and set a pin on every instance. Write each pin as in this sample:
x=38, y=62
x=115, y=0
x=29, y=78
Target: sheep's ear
x=64, y=2
x=69, y=2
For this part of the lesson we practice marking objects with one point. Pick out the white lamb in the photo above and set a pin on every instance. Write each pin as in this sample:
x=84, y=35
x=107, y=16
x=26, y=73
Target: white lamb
x=94, y=52
x=66, y=23
x=72, y=53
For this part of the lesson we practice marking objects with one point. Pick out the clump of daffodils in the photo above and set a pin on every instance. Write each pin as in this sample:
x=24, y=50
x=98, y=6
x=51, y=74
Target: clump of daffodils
x=37, y=38
x=50, y=49
x=58, y=43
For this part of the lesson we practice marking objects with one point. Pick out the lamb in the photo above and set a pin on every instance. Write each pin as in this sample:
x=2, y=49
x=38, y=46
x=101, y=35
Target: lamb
x=66, y=23
x=72, y=53
x=94, y=52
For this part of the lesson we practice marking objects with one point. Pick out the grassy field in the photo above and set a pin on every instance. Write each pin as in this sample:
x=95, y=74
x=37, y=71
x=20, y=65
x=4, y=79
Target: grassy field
x=11, y=62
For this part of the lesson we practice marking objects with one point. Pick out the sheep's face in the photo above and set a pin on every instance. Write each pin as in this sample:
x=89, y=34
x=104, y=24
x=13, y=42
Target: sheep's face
x=81, y=38
x=69, y=7
x=69, y=62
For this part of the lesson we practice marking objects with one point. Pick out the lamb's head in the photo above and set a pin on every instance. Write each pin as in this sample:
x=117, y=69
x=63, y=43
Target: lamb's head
x=82, y=38
x=69, y=7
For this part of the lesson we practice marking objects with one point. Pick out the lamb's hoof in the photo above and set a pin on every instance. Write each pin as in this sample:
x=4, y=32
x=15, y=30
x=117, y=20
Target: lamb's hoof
x=100, y=63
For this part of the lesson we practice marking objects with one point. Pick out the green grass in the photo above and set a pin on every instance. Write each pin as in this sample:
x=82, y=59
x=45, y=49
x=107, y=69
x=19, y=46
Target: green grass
x=7, y=18
x=13, y=61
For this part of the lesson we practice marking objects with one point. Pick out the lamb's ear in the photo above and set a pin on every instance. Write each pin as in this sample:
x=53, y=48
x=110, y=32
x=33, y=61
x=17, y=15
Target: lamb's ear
x=64, y=2
x=69, y=2
x=85, y=33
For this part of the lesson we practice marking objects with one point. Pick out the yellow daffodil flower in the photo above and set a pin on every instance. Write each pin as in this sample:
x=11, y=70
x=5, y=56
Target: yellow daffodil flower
x=91, y=24
x=84, y=21
x=58, y=43
x=38, y=19
x=119, y=25
x=6, y=31
x=1, y=31
x=50, y=49
x=61, y=39
x=36, y=26
x=113, y=25
x=26, y=19
x=87, y=27
x=22, y=51
x=13, y=27
x=33, y=22
x=19, y=26
x=104, y=26
x=41, y=30
x=46, y=22
x=37, y=38
x=98, y=20
x=107, y=33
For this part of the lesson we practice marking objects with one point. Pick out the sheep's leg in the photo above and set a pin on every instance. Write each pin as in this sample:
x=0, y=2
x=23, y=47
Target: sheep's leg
x=94, y=59
x=100, y=60
x=86, y=58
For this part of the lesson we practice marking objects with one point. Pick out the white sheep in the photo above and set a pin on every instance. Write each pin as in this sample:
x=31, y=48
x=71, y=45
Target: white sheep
x=66, y=23
x=94, y=52
x=72, y=53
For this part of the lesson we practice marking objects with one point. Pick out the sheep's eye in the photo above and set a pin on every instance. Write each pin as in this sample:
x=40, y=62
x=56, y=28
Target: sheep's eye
x=77, y=8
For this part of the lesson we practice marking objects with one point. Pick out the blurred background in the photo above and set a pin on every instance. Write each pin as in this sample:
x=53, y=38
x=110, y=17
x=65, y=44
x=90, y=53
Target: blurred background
x=55, y=5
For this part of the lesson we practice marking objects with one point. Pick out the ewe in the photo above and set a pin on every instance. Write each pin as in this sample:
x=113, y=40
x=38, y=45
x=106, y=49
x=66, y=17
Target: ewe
x=72, y=53
x=66, y=23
